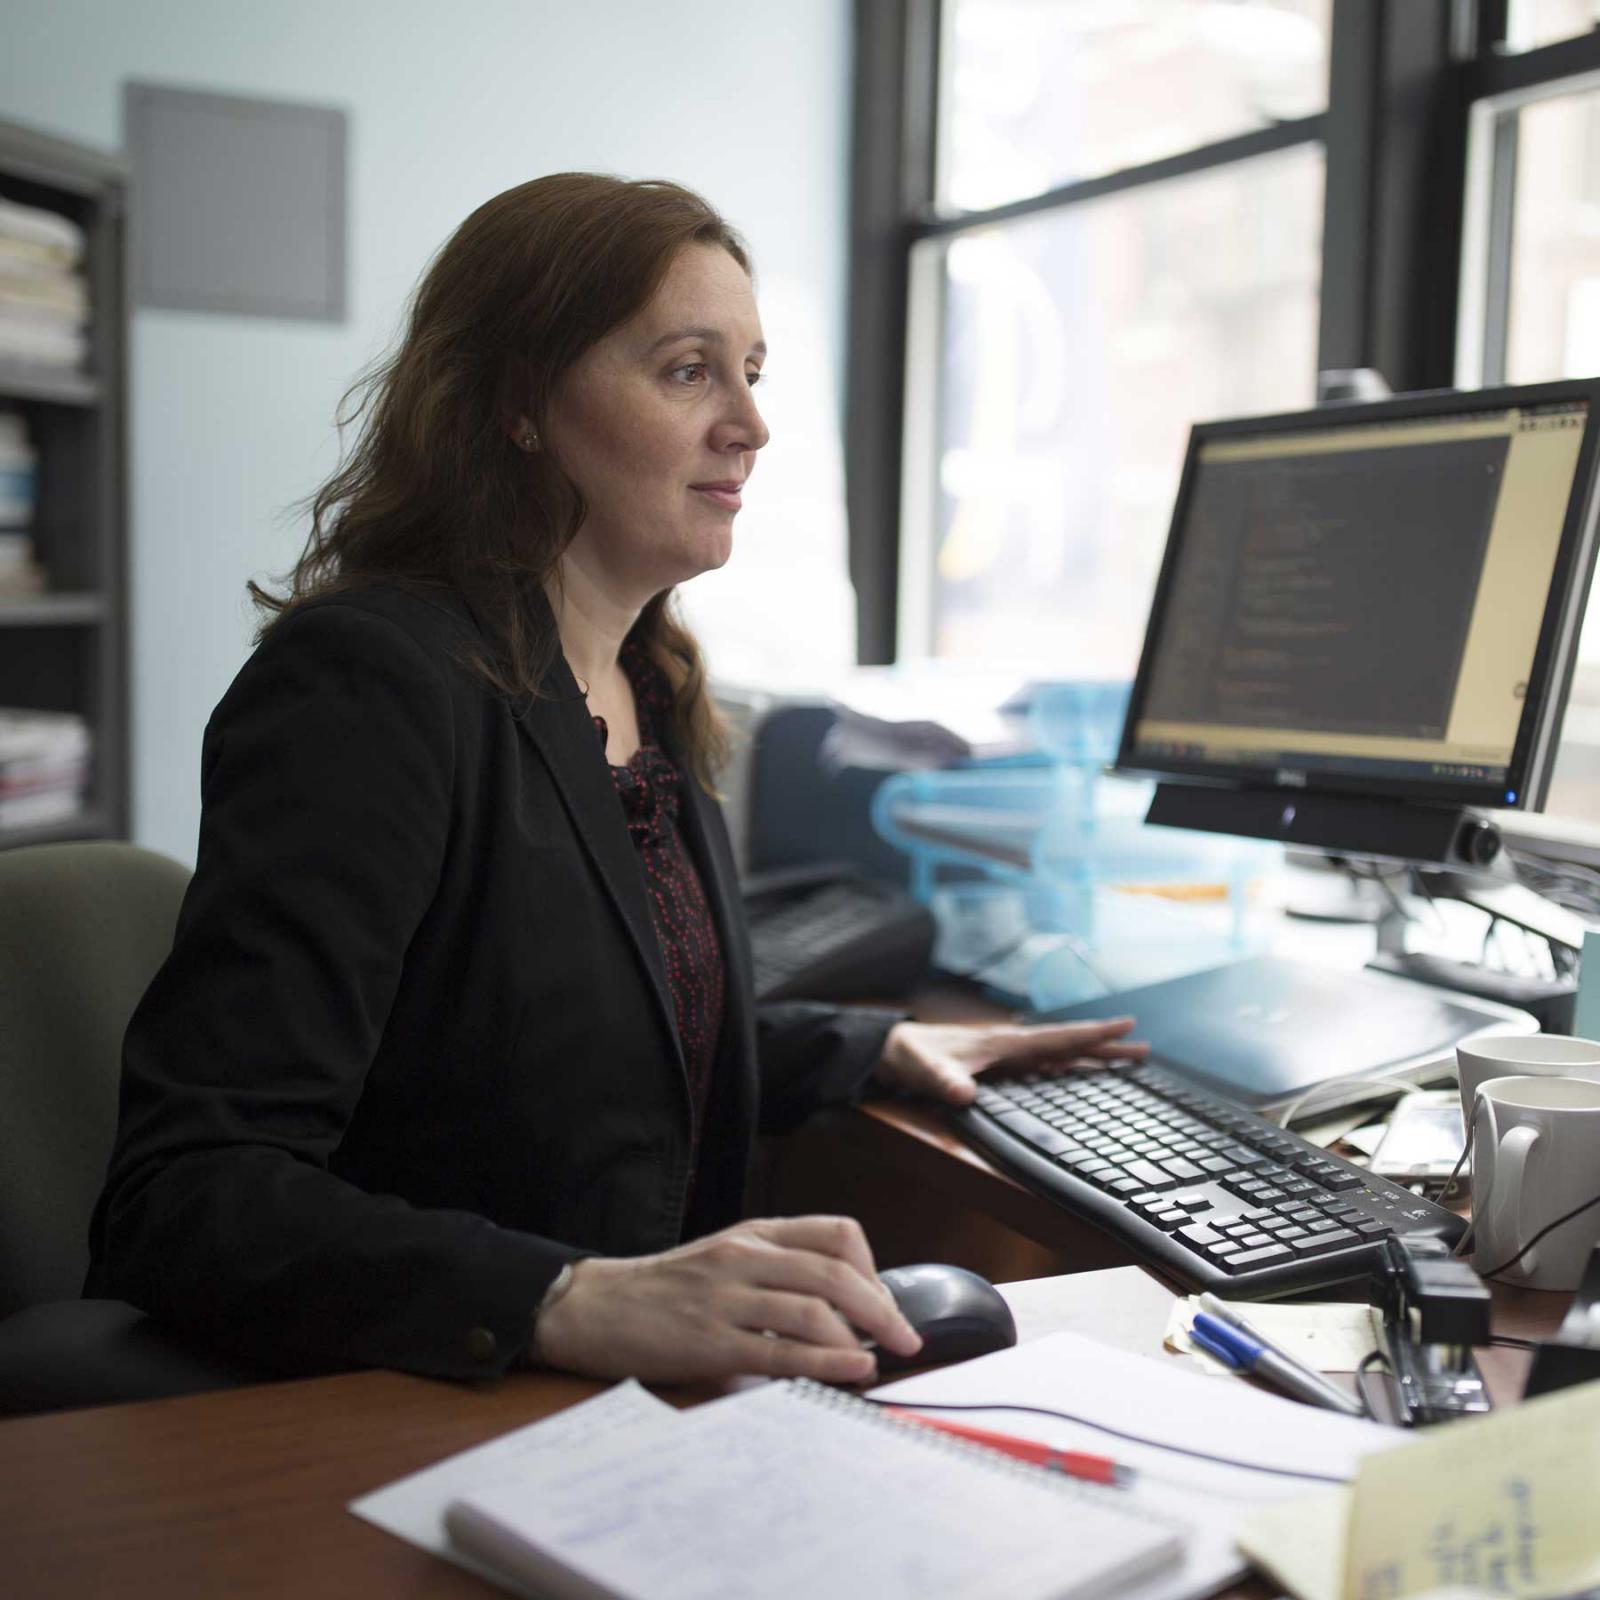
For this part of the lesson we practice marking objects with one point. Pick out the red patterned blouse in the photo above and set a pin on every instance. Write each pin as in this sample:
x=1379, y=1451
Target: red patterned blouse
x=648, y=787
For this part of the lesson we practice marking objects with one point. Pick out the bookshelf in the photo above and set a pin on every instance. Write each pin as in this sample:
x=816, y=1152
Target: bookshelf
x=66, y=649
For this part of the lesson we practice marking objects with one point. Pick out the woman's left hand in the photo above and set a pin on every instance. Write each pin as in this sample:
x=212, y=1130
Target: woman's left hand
x=942, y=1060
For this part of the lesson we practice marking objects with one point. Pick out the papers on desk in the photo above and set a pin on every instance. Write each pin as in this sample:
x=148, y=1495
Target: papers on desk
x=413, y=1508
x=1118, y=1395
x=1501, y=1504
x=786, y=1491
x=1505, y=1503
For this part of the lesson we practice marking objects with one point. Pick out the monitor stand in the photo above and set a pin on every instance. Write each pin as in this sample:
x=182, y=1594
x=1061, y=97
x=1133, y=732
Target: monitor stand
x=1550, y=1000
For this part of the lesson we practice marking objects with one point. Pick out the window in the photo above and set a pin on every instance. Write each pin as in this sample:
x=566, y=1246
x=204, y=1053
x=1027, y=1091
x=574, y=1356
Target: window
x=1530, y=310
x=1129, y=242
x=1037, y=95
x=1532, y=23
x=1077, y=347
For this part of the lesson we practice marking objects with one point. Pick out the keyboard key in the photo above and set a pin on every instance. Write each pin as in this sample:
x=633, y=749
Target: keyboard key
x=1323, y=1225
x=1169, y=1221
x=1343, y=1179
x=1371, y=1227
x=1318, y=1244
x=1201, y=1236
x=1154, y=1177
x=1254, y=1241
x=1187, y=1171
x=1055, y=1143
x=1242, y=1156
x=1268, y=1196
x=1124, y=1186
x=1191, y=1200
x=1215, y=1165
x=1103, y=1174
x=1025, y=1125
x=1269, y=1255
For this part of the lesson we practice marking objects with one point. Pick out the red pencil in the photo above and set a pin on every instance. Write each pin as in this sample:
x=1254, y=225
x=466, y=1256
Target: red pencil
x=1074, y=1463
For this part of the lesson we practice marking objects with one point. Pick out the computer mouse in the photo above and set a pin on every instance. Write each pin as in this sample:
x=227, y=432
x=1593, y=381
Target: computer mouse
x=958, y=1314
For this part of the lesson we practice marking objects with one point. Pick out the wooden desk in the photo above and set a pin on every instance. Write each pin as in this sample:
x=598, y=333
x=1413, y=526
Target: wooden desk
x=242, y=1493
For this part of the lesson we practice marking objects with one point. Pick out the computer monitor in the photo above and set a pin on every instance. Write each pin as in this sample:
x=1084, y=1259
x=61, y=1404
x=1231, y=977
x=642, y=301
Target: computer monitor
x=1366, y=620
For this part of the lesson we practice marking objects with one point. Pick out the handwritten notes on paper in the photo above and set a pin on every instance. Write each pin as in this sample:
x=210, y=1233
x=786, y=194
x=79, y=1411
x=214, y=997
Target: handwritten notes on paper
x=1505, y=1503
x=1500, y=1505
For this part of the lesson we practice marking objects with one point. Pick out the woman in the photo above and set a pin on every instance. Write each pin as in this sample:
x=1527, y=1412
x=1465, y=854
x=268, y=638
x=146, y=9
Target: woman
x=457, y=1024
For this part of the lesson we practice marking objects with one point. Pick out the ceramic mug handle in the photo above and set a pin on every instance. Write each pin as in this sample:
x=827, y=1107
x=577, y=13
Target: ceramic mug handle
x=1506, y=1184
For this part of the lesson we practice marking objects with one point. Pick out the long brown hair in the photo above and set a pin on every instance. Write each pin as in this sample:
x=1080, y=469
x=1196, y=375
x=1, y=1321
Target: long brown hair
x=435, y=493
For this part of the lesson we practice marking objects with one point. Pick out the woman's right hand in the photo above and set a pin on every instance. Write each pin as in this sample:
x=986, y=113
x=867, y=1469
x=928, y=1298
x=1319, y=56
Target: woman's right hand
x=783, y=1297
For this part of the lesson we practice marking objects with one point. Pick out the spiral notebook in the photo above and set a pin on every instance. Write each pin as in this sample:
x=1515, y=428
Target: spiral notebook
x=793, y=1491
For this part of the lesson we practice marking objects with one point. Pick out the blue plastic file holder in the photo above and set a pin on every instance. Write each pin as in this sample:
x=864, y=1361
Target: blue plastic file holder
x=1036, y=864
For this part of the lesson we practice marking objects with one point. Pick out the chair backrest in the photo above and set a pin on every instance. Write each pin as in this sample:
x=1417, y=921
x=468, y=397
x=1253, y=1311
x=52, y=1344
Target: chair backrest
x=83, y=928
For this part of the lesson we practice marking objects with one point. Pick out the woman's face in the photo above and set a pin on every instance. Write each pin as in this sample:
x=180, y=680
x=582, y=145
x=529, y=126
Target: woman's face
x=658, y=427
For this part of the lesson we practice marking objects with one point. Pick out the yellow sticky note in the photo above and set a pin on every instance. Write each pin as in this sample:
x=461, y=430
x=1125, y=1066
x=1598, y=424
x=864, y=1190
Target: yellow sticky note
x=1300, y=1542
x=1505, y=1503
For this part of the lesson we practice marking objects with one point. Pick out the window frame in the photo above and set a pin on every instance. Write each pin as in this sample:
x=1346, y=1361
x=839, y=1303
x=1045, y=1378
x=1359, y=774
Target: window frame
x=1498, y=89
x=1402, y=74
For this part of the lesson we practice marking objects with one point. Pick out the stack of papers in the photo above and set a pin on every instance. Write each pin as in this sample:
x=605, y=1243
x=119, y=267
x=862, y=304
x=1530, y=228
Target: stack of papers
x=44, y=302
x=583, y=1480
x=20, y=572
x=792, y=1491
x=1207, y=1454
x=44, y=766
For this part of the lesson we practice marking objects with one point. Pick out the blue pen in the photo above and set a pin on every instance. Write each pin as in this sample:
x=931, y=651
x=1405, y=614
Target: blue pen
x=1212, y=1347
x=1235, y=1348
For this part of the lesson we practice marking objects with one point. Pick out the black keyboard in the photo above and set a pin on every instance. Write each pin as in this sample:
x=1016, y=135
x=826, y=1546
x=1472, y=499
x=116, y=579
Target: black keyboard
x=792, y=937
x=1213, y=1195
x=826, y=933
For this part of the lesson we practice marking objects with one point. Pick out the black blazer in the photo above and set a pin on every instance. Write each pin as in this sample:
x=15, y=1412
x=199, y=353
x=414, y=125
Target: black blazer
x=413, y=1049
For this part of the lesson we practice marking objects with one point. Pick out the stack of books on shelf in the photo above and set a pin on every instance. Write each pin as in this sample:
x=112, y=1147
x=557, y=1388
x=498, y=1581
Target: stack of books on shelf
x=44, y=767
x=44, y=301
x=20, y=572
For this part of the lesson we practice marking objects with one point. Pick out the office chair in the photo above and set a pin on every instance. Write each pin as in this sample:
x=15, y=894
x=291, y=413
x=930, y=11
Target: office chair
x=83, y=928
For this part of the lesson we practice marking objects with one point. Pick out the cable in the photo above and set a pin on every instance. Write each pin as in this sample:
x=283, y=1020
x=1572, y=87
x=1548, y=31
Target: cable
x=1361, y=1379
x=1513, y=1341
x=1549, y=1227
x=1386, y=1079
x=1461, y=1160
x=1116, y=1433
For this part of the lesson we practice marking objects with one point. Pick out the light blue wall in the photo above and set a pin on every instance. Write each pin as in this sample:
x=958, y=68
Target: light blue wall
x=448, y=104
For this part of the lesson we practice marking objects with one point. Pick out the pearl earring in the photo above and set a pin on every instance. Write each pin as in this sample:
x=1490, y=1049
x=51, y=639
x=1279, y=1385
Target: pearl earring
x=530, y=440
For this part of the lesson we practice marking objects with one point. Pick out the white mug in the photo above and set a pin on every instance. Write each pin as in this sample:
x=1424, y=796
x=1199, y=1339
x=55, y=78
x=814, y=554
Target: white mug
x=1535, y=1157
x=1522, y=1055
